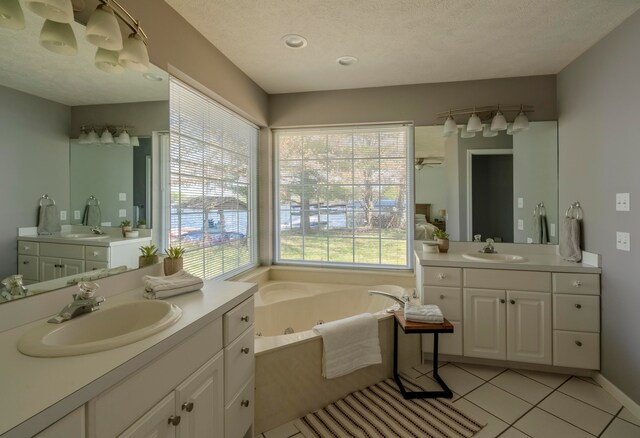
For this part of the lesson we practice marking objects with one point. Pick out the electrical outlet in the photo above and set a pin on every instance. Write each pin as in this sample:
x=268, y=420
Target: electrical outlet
x=122, y=212
x=623, y=202
x=520, y=224
x=552, y=230
x=76, y=214
x=520, y=203
x=623, y=241
x=122, y=196
x=529, y=240
x=63, y=215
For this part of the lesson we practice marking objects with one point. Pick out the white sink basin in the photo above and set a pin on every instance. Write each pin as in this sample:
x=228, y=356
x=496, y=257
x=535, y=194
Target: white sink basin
x=494, y=258
x=101, y=330
x=83, y=236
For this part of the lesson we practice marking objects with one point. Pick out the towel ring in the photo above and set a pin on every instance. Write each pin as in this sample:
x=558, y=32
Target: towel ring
x=578, y=211
x=539, y=209
x=46, y=198
x=92, y=199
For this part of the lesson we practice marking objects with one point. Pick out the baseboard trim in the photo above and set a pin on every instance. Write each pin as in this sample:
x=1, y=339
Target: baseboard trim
x=617, y=393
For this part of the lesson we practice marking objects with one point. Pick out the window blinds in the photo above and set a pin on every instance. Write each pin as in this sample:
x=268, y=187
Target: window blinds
x=212, y=172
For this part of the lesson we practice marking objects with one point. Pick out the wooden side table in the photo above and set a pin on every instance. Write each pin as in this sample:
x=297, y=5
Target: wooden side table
x=420, y=327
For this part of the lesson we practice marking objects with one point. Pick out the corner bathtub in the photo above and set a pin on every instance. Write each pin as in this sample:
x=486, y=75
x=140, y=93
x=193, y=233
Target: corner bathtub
x=289, y=380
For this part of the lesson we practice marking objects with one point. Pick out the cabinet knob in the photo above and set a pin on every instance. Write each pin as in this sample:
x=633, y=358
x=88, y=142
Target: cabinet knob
x=441, y=297
x=26, y=248
x=174, y=420
x=26, y=262
x=95, y=253
x=502, y=301
x=244, y=403
x=577, y=283
x=441, y=276
x=512, y=301
x=244, y=318
x=579, y=344
x=187, y=406
x=245, y=350
x=578, y=306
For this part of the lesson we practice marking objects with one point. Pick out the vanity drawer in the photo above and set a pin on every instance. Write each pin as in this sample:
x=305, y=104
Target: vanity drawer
x=576, y=349
x=576, y=312
x=507, y=280
x=586, y=284
x=61, y=250
x=238, y=415
x=237, y=320
x=434, y=276
x=97, y=253
x=27, y=248
x=239, y=364
x=449, y=299
x=28, y=267
x=92, y=266
x=448, y=343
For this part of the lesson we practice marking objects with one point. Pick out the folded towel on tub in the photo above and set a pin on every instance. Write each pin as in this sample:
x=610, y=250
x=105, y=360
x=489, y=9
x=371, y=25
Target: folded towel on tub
x=349, y=344
x=423, y=313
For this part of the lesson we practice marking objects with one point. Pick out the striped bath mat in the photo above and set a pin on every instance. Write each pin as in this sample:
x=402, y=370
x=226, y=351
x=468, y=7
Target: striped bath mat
x=381, y=411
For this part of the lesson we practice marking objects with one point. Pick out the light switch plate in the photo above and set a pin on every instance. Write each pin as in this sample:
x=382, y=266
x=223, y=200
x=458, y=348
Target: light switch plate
x=520, y=224
x=63, y=215
x=529, y=240
x=623, y=202
x=623, y=241
x=122, y=212
x=520, y=202
x=76, y=214
x=122, y=196
x=552, y=230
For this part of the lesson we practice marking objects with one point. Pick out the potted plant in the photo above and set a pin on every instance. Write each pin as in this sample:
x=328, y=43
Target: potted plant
x=442, y=237
x=126, y=226
x=149, y=256
x=174, y=261
x=142, y=224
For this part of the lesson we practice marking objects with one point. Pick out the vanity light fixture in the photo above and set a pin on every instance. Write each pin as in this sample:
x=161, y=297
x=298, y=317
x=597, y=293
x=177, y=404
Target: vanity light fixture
x=499, y=122
x=493, y=115
x=488, y=132
x=107, y=61
x=60, y=11
x=474, y=124
x=521, y=123
x=103, y=29
x=92, y=137
x=11, y=15
x=58, y=38
x=124, y=138
x=84, y=137
x=294, y=41
x=134, y=55
x=450, y=126
x=110, y=135
x=106, y=137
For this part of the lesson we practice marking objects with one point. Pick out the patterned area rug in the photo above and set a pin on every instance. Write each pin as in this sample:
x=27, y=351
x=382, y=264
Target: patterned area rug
x=381, y=411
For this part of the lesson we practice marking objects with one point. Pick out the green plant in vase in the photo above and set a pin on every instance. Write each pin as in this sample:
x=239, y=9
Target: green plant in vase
x=174, y=260
x=442, y=237
x=149, y=256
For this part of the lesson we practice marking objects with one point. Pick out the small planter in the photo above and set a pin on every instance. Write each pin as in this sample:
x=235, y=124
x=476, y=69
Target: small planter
x=125, y=229
x=172, y=265
x=443, y=245
x=148, y=261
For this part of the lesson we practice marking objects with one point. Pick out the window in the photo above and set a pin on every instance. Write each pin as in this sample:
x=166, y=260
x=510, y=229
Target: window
x=343, y=196
x=212, y=181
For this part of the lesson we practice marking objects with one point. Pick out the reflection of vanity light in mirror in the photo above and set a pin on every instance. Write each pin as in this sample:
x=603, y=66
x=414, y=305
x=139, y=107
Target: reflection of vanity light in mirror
x=110, y=135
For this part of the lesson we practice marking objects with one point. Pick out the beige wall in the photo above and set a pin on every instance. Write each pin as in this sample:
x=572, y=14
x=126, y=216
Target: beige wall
x=417, y=103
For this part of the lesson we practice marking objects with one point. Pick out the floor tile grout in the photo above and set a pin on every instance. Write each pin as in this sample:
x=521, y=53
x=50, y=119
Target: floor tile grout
x=531, y=378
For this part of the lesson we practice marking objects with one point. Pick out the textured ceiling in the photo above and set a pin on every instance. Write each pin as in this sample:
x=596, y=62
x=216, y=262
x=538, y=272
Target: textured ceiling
x=401, y=41
x=70, y=80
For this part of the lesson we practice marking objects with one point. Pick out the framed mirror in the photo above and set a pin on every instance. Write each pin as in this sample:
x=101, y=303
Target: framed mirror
x=49, y=104
x=503, y=187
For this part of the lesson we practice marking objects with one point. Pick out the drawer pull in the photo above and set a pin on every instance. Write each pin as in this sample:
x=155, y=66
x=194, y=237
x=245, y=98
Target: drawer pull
x=244, y=318
x=174, y=420
x=245, y=350
x=187, y=406
x=579, y=344
x=578, y=306
x=441, y=276
x=244, y=403
x=95, y=253
x=26, y=248
x=441, y=297
x=512, y=301
x=577, y=283
x=26, y=262
x=502, y=301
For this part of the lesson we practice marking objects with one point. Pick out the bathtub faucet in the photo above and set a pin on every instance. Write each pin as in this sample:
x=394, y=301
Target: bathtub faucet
x=401, y=301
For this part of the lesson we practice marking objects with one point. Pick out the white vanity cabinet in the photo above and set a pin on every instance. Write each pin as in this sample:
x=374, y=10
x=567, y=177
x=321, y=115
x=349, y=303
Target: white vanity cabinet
x=443, y=286
x=72, y=426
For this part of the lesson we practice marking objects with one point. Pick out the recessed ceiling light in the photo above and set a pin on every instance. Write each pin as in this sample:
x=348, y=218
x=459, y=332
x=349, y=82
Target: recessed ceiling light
x=294, y=41
x=152, y=77
x=347, y=60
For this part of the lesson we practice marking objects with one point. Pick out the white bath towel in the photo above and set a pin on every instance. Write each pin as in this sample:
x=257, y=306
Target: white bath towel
x=164, y=287
x=423, y=313
x=349, y=344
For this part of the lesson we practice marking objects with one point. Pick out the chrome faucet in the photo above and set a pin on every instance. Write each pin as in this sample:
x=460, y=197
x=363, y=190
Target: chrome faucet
x=401, y=301
x=97, y=230
x=83, y=302
x=488, y=248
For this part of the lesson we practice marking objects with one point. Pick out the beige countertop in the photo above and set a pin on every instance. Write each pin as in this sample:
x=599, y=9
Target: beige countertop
x=35, y=390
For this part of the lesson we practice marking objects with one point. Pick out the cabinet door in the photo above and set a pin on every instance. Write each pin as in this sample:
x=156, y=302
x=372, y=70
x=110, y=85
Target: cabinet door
x=28, y=267
x=49, y=268
x=200, y=401
x=71, y=267
x=485, y=323
x=155, y=423
x=529, y=327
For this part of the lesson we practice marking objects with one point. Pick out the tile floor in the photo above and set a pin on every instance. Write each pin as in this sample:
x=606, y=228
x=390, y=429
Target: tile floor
x=521, y=404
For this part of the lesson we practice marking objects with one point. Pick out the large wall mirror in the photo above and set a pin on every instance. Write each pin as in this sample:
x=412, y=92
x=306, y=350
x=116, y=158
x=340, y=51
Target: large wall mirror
x=503, y=187
x=45, y=100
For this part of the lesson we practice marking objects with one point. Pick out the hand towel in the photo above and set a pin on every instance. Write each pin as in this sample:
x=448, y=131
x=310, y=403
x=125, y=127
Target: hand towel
x=423, y=313
x=570, y=240
x=48, y=219
x=164, y=287
x=349, y=344
x=92, y=216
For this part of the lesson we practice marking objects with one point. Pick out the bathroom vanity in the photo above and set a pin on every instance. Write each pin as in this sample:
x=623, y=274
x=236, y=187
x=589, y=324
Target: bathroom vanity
x=194, y=378
x=539, y=310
